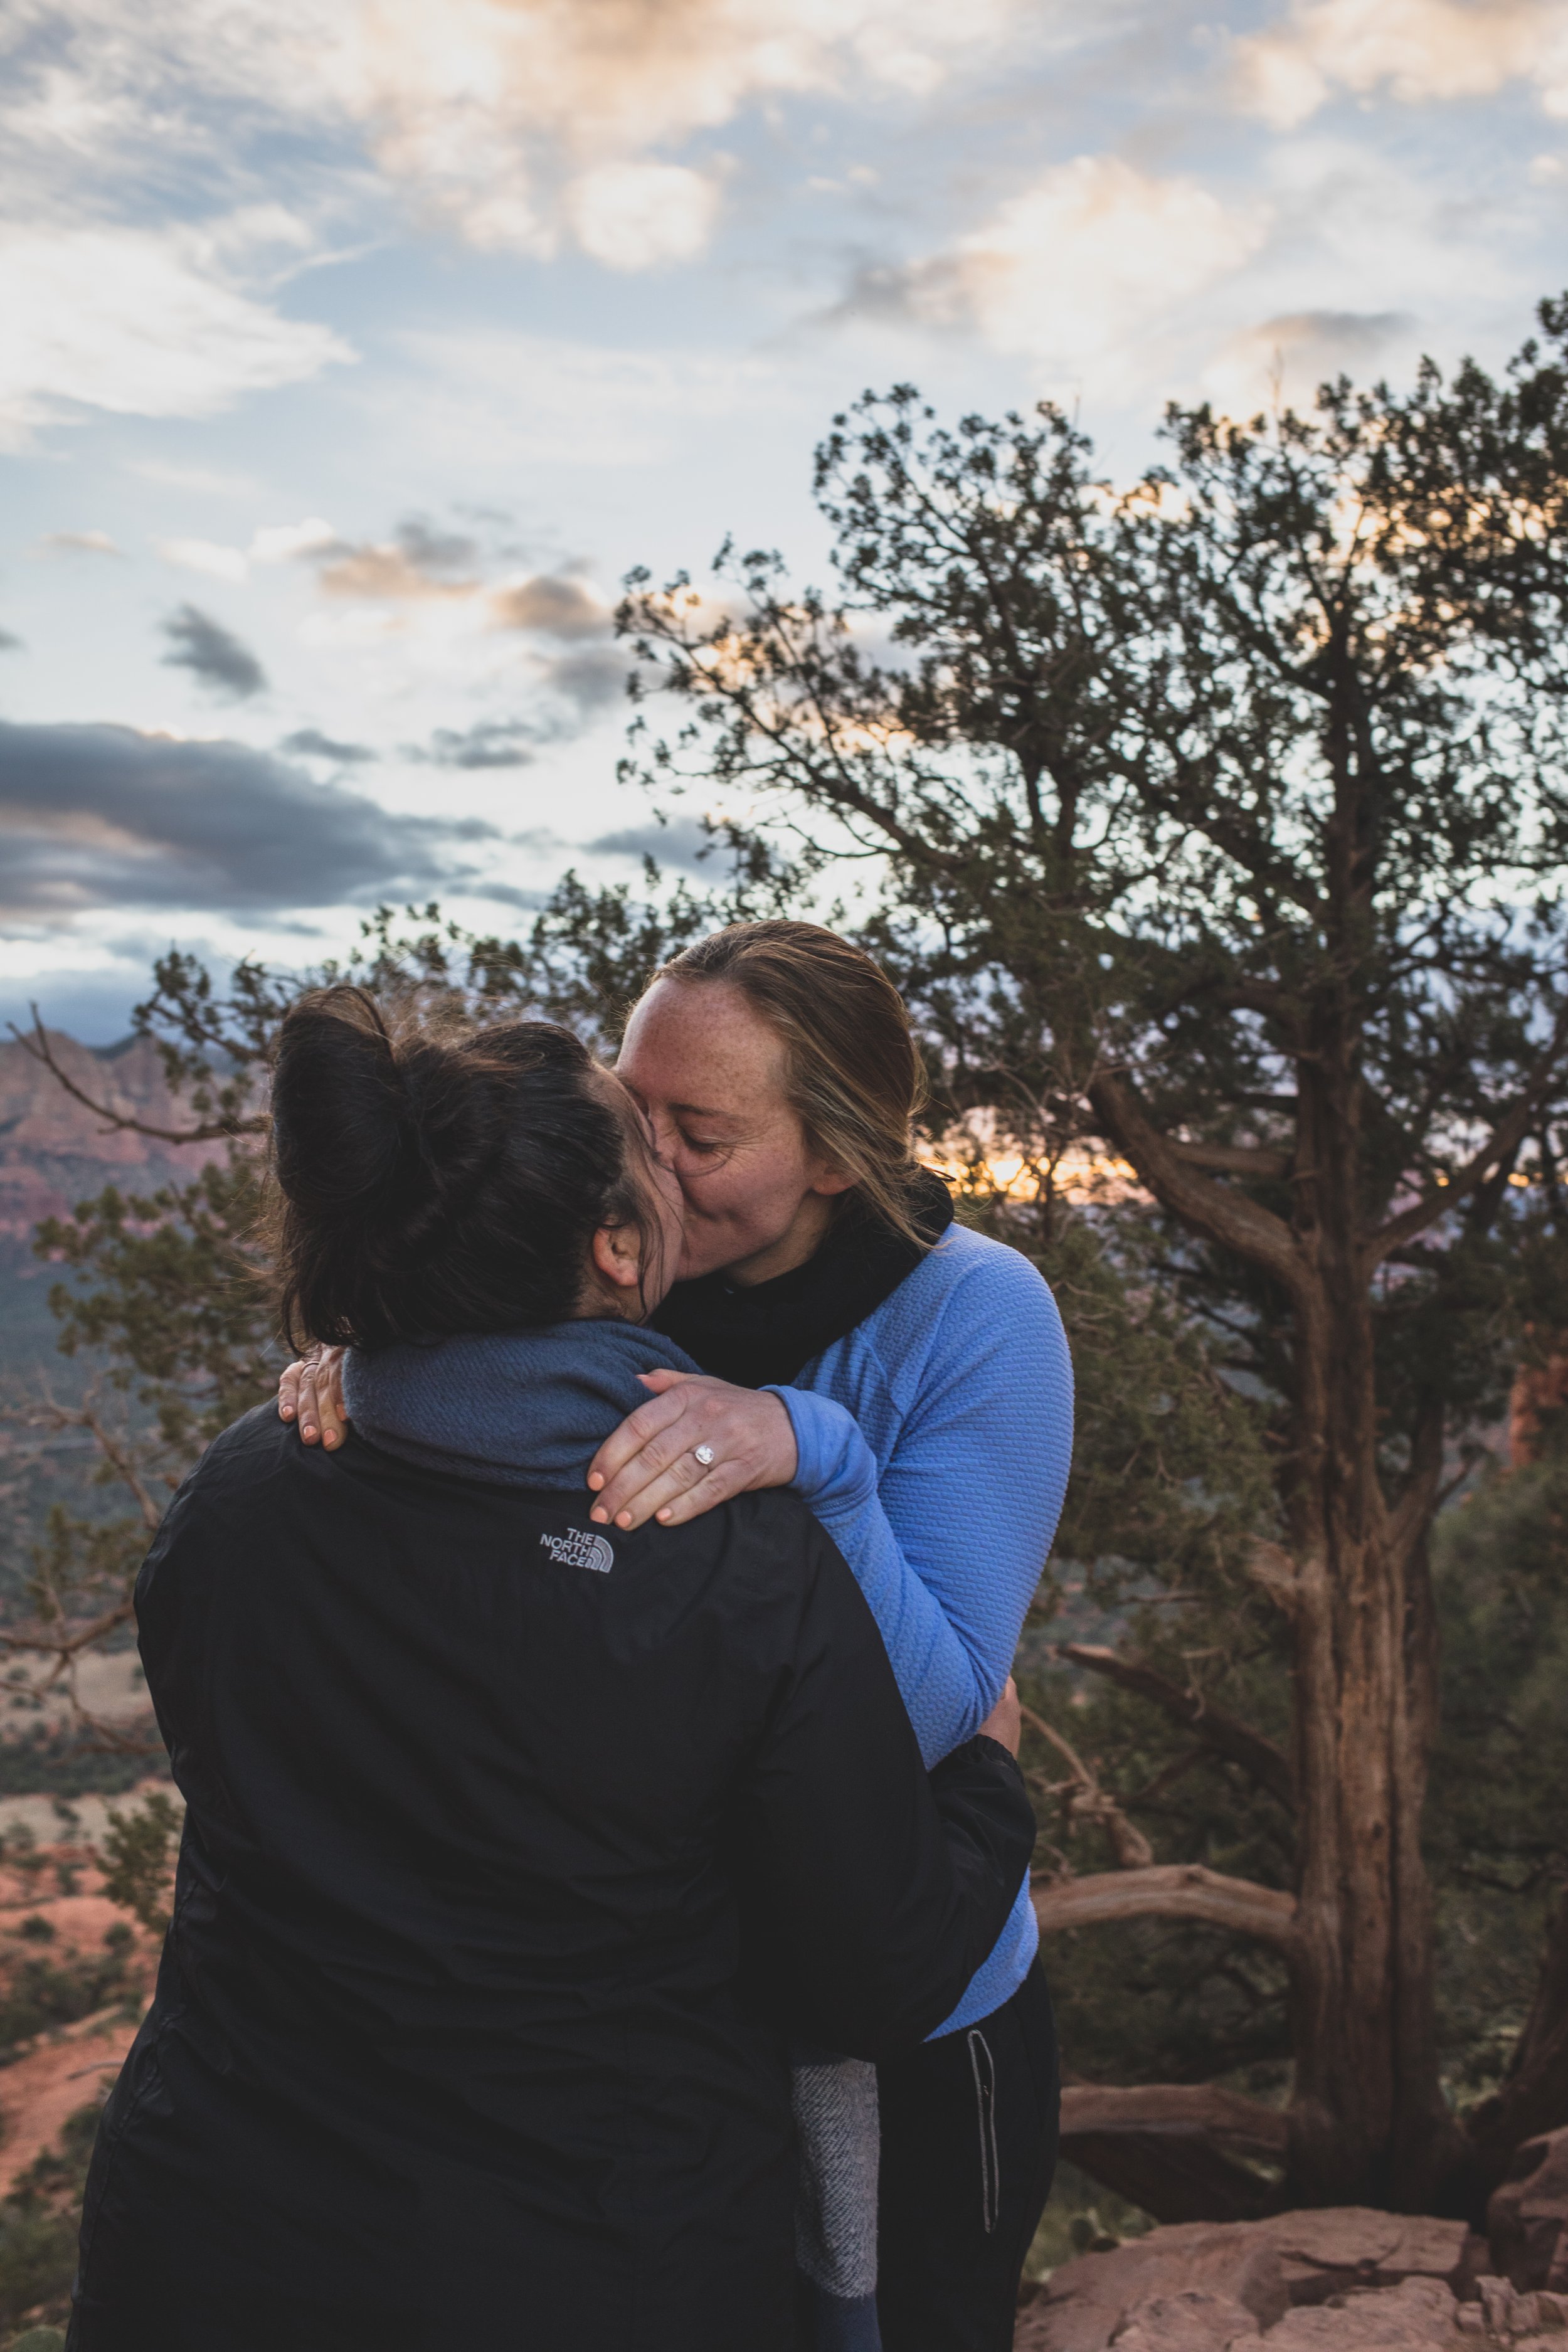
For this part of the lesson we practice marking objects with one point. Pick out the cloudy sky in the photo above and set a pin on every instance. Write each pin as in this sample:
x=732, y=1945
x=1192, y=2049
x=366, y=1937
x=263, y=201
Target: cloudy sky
x=349, y=356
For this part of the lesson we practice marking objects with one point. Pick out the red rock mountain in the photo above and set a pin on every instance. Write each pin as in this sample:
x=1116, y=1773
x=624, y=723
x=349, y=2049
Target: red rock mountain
x=54, y=1150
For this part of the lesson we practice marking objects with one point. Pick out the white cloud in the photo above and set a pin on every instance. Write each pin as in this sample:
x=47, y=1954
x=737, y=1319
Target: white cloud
x=205, y=556
x=635, y=215
x=1095, y=252
x=1417, y=50
x=271, y=544
x=1284, y=359
x=516, y=122
x=79, y=542
x=281, y=542
x=137, y=321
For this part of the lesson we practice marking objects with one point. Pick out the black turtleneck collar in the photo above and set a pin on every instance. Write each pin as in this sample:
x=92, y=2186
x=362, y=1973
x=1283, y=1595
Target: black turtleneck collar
x=760, y=1335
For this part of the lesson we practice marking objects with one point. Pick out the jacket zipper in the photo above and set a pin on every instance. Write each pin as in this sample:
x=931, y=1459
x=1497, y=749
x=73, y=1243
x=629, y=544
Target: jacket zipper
x=984, y=2072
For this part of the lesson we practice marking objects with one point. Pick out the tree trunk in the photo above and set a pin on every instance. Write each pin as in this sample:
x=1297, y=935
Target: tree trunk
x=1368, y=2121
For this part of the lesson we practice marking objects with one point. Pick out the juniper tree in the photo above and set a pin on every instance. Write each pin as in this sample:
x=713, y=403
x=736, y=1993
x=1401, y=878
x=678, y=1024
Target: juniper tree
x=1216, y=825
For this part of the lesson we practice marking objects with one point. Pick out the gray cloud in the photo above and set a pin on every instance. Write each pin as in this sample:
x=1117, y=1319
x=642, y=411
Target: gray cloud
x=1336, y=337
x=78, y=542
x=9, y=643
x=416, y=561
x=96, y=816
x=212, y=654
x=506, y=894
x=435, y=551
x=592, y=679
x=489, y=743
x=680, y=843
x=555, y=606
x=309, y=743
x=576, y=687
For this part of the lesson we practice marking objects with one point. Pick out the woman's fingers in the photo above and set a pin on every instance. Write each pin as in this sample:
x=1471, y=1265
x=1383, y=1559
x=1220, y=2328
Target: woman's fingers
x=725, y=1479
x=329, y=1395
x=623, y=1445
x=686, y=1481
x=310, y=1406
x=652, y=1445
x=288, y=1390
x=311, y=1392
x=748, y=1440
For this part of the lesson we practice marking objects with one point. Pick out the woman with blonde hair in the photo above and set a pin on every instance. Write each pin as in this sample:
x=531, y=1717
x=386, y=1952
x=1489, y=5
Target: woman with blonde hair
x=909, y=1380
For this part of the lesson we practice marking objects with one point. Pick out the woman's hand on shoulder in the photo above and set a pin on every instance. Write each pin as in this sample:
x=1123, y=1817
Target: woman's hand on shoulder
x=650, y=1467
x=311, y=1391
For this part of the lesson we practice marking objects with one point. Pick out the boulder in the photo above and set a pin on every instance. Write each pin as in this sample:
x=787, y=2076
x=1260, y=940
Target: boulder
x=1088, y=2300
x=1351, y=2246
x=1528, y=2216
x=1192, y=2321
x=1419, y=2313
x=1508, y=2315
x=1143, y=2295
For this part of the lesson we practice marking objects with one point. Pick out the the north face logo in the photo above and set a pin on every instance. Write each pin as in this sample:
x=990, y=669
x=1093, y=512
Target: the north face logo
x=580, y=1548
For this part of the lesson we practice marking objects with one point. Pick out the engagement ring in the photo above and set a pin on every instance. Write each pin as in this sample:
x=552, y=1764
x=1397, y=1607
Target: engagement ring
x=703, y=1454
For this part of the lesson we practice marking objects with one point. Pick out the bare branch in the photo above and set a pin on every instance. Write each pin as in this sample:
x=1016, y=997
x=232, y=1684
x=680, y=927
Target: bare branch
x=1226, y=1735
x=1215, y=1211
x=212, y=1131
x=1232, y=1159
x=1413, y=1513
x=1182, y=1890
x=1503, y=1141
x=64, y=1645
x=114, y=1450
x=1085, y=1801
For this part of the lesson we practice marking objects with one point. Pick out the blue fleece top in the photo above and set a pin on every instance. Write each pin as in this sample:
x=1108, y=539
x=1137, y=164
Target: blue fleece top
x=934, y=1444
x=933, y=1441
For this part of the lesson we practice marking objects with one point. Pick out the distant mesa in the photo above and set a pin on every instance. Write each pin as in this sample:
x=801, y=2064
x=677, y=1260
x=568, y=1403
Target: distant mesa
x=54, y=1151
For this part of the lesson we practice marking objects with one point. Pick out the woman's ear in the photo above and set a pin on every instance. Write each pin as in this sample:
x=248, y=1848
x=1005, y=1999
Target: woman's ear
x=828, y=1178
x=617, y=1252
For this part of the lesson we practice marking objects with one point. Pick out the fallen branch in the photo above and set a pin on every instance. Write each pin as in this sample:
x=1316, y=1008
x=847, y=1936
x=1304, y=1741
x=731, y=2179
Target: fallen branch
x=1176, y=2110
x=1182, y=1890
x=1185, y=2152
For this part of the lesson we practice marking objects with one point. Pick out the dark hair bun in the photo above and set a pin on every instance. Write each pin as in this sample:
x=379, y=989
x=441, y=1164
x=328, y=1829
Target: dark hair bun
x=435, y=1184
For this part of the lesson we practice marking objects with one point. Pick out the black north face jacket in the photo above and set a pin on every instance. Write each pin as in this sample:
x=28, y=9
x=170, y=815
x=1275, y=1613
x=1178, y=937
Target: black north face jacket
x=512, y=1852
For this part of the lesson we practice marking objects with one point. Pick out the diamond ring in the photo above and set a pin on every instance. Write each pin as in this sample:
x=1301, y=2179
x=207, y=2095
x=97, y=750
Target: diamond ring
x=703, y=1454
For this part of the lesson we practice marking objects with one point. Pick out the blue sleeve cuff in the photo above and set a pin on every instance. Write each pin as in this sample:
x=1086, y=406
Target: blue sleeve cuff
x=835, y=1467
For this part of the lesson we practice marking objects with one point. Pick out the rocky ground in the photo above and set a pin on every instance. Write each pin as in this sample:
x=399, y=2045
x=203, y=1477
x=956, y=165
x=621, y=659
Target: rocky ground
x=1346, y=2279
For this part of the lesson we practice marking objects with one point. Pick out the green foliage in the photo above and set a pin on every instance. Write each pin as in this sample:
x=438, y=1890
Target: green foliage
x=55, y=1764
x=139, y=1850
x=178, y=1306
x=1496, y=1832
x=38, y=1992
x=39, y=2219
x=1079, y=2219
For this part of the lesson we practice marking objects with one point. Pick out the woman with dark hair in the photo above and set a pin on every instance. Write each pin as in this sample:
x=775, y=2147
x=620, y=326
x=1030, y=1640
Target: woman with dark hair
x=911, y=1380
x=512, y=1845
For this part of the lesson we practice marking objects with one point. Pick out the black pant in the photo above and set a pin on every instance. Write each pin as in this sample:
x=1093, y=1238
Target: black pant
x=969, y=2145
